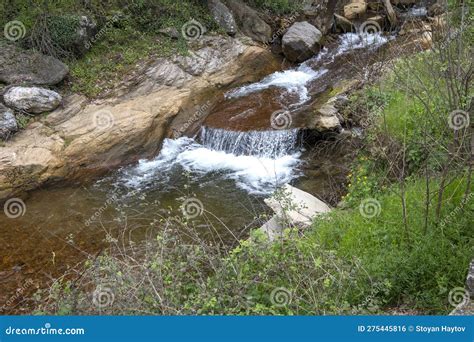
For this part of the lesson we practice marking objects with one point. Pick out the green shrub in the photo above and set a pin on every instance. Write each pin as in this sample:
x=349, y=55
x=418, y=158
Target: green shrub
x=421, y=263
x=63, y=30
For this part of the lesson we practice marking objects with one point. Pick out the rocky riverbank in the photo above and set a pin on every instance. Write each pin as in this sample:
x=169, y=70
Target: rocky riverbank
x=72, y=137
x=85, y=138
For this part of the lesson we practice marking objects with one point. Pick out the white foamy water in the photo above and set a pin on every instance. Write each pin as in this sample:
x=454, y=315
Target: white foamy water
x=293, y=81
x=258, y=175
x=255, y=174
x=355, y=41
x=296, y=80
x=417, y=12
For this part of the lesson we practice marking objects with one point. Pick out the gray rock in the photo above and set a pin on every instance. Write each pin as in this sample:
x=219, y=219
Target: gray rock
x=19, y=66
x=32, y=99
x=301, y=42
x=249, y=21
x=8, y=124
x=86, y=30
x=223, y=16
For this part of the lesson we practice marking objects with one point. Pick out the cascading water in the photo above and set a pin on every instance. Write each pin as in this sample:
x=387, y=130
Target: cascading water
x=266, y=144
x=293, y=81
x=258, y=161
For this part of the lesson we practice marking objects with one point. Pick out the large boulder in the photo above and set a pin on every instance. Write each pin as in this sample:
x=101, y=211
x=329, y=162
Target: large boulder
x=249, y=21
x=19, y=66
x=32, y=99
x=8, y=124
x=223, y=16
x=292, y=207
x=301, y=42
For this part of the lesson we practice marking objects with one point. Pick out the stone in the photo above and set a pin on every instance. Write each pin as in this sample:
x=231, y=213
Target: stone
x=319, y=14
x=327, y=118
x=301, y=42
x=223, y=16
x=273, y=228
x=296, y=207
x=86, y=30
x=32, y=99
x=8, y=124
x=293, y=208
x=355, y=9
x=171, y=32
x=209, y=57
x=249, y=21
x=28, y=67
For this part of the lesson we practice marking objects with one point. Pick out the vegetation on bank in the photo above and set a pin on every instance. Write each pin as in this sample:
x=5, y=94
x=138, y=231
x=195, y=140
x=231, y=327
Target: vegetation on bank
x=128, y=33
x=277, y=6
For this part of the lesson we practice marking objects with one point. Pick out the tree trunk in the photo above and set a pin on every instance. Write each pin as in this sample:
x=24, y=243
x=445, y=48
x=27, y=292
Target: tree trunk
x=392, y=16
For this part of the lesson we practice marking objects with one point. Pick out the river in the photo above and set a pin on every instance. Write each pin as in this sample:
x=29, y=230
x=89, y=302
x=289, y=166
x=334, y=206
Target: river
x=215, y=179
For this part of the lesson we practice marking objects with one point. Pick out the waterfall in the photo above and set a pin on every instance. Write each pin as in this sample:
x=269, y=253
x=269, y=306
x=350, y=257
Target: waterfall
x=267, y=144
x=292, y=80
x=258, y=161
